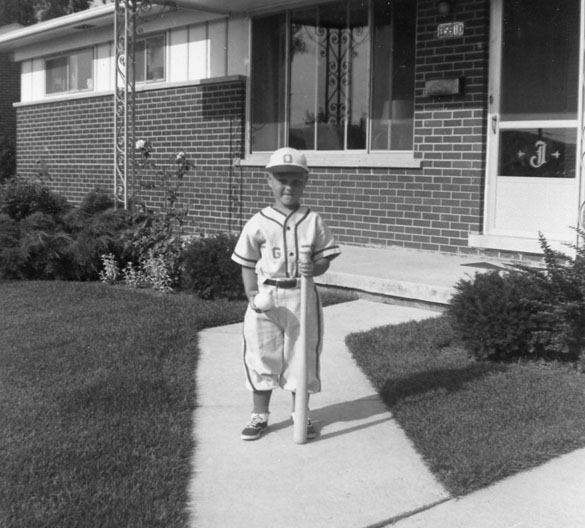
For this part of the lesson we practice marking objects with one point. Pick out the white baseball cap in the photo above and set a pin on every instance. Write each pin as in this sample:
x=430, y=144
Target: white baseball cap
x=287, y=160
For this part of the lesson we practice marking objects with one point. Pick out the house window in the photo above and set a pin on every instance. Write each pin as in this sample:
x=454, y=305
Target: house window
x=334, y=77
x=70, y=73
x=150, y=59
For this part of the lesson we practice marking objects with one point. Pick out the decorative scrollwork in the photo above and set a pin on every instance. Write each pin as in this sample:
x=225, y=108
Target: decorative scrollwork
x=338, y=47
x=130, y=15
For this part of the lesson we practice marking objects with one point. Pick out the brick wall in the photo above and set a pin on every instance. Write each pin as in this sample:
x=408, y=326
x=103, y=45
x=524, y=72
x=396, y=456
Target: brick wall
x=450, y=130
x=68, y=143
x=431, y=208
x=71, y=142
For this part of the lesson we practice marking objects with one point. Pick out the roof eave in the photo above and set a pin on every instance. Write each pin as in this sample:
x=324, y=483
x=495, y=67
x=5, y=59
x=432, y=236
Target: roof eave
x=97, y=16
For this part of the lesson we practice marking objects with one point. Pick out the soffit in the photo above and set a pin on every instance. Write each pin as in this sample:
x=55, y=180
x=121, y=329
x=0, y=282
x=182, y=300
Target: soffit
x=103, y=16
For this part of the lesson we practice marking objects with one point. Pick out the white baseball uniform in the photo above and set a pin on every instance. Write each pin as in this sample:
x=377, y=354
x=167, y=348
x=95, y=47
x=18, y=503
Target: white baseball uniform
x=270, y=244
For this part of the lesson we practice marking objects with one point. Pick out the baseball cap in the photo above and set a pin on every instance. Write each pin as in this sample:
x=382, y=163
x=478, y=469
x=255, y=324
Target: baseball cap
x=287, y=160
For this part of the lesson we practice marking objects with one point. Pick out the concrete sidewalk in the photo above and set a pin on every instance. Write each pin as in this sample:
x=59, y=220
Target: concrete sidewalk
x=548, y=496
x=360, y=471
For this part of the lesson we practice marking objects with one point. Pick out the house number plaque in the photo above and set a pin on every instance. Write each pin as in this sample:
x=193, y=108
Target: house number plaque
x=450, y=30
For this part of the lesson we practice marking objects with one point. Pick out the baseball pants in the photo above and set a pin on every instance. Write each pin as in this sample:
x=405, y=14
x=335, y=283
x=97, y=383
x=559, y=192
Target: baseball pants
x=271, y=341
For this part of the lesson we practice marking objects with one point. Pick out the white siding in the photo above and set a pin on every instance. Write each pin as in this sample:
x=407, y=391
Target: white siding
x=38, y=79
x=198, y=52
x=178, y=55
x=218, y=51
x=195, y=50
x=26, y=81
x=238, y=38
x=104, y=68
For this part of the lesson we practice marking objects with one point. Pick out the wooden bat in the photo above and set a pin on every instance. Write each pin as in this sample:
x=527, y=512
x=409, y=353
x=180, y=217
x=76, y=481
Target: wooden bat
x=302, y=395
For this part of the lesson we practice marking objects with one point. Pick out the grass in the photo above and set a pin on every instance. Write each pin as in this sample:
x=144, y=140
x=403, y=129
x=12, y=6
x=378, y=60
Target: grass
x=474, y=423
x=97, y=393
x=96, y=401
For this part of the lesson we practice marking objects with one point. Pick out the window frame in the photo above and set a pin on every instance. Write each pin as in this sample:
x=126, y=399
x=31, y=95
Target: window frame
x=68, y=56
x=368, y=157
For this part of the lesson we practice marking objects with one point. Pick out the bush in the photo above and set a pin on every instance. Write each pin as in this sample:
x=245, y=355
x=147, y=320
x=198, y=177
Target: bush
x=94, y=235
x=526, y=312
x=43, y=248
x=11, y=259
x=20, y=198
x=7, y=158
x=560, y=314
x=43, y=238
x=156, y=237
x=208, y=269
x=96, y=201
x=493, y=314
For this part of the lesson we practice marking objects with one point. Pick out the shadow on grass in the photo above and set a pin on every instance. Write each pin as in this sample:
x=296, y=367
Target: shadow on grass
x=442, y=380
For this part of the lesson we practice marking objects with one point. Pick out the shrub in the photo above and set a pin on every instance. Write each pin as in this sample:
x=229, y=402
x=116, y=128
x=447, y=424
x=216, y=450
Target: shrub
x=20, y=198
x=96, y=201
x=95, y=235
x=11, y=259
x=156, y=273
x=156, y=236
x=44, y=238
x=111, y=272
x=43, y=248
x=560, y=314
x=493, y=314
x=7, y=158
x=527, y=312
x=208, y=269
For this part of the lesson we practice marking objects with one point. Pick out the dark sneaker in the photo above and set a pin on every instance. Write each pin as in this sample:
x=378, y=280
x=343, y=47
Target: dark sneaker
x=256, y=426
x=311, y=433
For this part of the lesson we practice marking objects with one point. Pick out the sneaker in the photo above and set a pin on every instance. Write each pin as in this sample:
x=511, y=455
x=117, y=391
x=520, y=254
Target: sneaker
x=311, y=433
x=256, y=426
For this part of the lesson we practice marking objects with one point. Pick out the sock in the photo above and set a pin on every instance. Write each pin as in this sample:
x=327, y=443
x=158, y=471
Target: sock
x=294, y=403
x=261, y=402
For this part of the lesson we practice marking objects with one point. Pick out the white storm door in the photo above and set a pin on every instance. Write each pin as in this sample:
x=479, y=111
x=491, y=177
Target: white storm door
x=533, y=180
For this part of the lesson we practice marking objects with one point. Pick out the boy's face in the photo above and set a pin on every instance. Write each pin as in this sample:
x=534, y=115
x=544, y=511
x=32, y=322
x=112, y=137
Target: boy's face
x=287, y=188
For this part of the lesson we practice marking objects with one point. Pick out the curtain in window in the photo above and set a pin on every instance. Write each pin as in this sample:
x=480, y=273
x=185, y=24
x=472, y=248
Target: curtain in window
x=268, y=83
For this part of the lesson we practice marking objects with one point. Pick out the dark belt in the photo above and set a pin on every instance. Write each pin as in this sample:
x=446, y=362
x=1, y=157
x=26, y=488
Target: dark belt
x=287, y=284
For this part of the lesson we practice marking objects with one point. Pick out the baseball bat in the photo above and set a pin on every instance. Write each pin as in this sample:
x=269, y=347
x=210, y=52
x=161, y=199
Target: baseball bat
x=302, y=395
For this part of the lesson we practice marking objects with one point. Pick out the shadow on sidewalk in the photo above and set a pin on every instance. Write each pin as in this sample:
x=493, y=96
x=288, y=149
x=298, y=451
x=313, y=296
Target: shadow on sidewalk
x=358, y=414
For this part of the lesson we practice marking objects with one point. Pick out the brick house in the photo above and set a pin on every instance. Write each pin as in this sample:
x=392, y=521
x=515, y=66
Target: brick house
x=441, y=126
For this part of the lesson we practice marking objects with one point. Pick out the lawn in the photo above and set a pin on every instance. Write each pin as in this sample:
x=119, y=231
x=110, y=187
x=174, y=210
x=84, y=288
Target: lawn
x=473, y=422
x=97, y=393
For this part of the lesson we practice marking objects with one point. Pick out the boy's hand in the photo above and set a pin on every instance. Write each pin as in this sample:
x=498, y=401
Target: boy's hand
x=251, y=296
x=307, y=268
x=313, y=269
x=257, y=310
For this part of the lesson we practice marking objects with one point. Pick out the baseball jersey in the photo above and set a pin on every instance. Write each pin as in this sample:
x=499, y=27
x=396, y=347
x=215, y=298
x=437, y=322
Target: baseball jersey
x=271, y=241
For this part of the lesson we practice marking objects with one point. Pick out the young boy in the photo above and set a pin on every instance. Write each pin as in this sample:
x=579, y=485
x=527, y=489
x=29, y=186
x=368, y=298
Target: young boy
x=269, y=251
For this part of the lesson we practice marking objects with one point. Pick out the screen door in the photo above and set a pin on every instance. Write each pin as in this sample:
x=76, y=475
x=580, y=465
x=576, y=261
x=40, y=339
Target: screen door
x=533, y=128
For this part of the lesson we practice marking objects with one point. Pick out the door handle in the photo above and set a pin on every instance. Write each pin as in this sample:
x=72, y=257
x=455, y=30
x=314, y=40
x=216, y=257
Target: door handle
x=494, y=123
